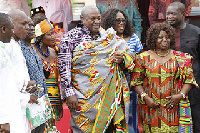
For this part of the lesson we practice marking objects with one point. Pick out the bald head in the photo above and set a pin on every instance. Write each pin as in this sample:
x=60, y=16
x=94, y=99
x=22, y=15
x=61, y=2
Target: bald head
x=20, y=21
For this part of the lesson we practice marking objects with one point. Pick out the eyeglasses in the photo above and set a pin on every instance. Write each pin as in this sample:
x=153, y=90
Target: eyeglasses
x=118, y=21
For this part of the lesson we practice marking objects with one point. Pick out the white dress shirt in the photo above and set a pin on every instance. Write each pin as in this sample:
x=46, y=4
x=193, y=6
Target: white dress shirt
x=21, y=76
x=10, y=108
x=56, y=11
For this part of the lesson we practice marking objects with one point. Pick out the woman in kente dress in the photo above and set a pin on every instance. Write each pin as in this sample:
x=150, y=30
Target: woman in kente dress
x=119, y=20
x=46, y=39
x=163, y=77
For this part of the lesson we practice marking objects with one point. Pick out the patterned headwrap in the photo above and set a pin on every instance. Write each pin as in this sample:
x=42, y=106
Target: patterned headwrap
x=43, y=27
x=37, y=10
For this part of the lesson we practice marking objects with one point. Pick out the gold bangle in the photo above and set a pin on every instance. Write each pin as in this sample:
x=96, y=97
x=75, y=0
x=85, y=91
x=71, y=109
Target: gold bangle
x=142, y=95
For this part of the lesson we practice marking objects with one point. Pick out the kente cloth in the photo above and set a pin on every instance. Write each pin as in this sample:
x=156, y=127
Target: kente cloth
x=161, y=80
x=43, y=27
x=100, y=84
x=52, y=82
x=59, y=32
x=157, y=8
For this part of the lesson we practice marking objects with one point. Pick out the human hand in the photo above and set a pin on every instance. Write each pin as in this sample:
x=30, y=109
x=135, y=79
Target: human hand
x=72, y=102
x=118, y=57
x=151, y=102
x=32, y=86
x=33, y=99
x=5, y=128
x=173, y=101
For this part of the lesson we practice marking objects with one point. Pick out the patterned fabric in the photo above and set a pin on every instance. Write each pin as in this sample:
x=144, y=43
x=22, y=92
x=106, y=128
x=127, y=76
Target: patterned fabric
x=130, y=7
x=53, y=88
x=100, y=85
x=43, y=27
x=59, y=32
x=73, y=38
x=157, y=8
x=158, y=79
x=34, y=65
x=37, y=10
x=135, y=47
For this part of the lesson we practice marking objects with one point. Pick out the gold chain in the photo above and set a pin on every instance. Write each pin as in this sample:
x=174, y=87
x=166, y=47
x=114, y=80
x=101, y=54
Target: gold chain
x=163, y=55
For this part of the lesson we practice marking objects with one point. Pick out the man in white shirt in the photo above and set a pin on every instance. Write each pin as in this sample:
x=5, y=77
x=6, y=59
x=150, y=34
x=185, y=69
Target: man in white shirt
x=20, y=21
x=10, y=112
x=57, y=11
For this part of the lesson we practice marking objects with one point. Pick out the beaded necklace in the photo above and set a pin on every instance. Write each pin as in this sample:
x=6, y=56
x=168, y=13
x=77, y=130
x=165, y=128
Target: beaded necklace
x=41, y=52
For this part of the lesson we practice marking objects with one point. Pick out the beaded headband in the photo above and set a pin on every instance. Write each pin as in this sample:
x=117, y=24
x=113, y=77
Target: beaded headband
x=37, y=10
x=43, y=27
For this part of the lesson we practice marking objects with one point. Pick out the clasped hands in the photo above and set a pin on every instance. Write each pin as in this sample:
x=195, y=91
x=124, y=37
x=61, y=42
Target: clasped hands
x=173, y=101
x=31, y=88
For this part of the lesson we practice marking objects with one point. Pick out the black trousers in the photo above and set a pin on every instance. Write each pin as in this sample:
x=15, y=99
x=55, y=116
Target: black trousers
x=194, y=97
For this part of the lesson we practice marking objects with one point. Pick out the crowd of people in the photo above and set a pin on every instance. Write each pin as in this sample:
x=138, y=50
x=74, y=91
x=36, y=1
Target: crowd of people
x=99, y=68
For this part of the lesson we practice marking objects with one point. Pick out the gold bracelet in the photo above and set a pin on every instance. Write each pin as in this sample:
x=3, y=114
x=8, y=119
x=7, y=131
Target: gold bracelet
x=142, y=95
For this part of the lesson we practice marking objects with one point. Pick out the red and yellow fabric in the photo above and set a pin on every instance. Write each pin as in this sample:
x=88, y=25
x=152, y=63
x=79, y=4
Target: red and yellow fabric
x=43, y=27
x=161, y=80
x=52, y=83
x=59, y=32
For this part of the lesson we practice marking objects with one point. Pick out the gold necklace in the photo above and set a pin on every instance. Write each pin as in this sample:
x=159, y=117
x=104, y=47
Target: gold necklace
x=163, y=55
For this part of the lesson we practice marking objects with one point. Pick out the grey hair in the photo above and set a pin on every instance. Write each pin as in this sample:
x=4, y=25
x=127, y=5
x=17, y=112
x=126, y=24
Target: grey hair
x=181, y=6
x=86, y=8
x=14, y=13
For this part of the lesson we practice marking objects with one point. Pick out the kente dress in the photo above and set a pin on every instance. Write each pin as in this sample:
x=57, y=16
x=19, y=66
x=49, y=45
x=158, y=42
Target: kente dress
x=161, y=80
x=52, y=83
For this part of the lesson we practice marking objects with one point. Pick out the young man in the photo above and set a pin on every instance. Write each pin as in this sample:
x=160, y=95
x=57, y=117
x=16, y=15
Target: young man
x=187, y=41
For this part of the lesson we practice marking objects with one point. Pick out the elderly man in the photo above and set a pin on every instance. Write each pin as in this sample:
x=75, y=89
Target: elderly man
x=187, y=41
x=10, y=111
x=20, y=21
x=97, y=92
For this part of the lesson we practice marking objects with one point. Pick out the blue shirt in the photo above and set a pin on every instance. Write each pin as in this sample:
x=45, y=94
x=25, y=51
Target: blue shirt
x=134, y=44
x=34, y=65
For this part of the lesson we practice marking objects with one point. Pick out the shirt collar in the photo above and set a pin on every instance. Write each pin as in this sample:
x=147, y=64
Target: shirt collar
x=85, y=30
